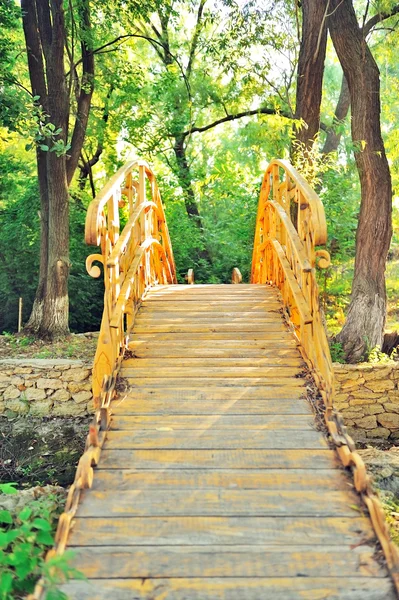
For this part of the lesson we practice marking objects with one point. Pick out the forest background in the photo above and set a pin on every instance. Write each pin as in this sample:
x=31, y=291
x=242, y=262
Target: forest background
x=205, y=91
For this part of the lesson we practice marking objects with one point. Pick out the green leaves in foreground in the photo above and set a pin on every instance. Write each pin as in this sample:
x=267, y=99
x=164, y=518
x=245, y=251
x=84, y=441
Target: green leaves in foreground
x=25, y=538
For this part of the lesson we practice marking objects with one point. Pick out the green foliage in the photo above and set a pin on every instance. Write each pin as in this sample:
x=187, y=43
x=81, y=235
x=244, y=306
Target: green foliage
x=24, y=541
x=374, y=355
x=337, y=352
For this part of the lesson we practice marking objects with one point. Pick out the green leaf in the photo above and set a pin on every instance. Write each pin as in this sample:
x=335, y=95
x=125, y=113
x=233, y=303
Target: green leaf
x=5, y=517
x=25, y=514
x=43, y=537
x=8, y=488
x=41, y=524
x=5, y=583
x=6, y=537
x=44, y=147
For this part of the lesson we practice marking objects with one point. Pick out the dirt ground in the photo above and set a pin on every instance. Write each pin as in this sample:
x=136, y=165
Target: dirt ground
x=80, y=346
x=35, y=451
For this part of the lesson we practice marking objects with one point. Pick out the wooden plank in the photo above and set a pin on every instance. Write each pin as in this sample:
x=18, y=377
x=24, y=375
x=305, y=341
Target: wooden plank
x=273, y=342
x=162, y=406
x=221, y=502
x=213, y=351
x=256, y=337
x=192, y=327
x=280, y=531
x=275, y=373
x=242, y=479
x=209, y=439
x=208, y=317
x=213, y=363
x=214, y=289
x=167, y=305
x=226, y=561
x=218, y=459
x=216, y=422
x=309, y=588
x=203, y=382
x=268, y=397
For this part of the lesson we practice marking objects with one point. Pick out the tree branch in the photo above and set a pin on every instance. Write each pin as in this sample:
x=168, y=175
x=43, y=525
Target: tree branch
x=86, y=92
x=377, y=18
x=240, y=115
x=196, y=35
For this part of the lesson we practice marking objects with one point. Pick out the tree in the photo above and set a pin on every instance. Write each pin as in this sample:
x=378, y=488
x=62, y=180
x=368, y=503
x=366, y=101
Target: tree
x=312, y=54
x=57, y=151
x=366, y=315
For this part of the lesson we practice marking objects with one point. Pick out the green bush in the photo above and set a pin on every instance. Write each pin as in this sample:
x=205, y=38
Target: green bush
x=25, y=539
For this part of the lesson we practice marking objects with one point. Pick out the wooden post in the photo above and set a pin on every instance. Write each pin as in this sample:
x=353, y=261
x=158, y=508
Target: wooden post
x=20, y=315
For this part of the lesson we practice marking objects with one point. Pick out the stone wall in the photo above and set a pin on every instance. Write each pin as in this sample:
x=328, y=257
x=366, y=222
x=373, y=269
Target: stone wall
x=367, y=396
x=45, y=387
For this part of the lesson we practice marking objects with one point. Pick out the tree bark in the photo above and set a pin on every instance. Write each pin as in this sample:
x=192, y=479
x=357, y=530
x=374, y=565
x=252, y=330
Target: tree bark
x=312, y=54
x=366, y=315
x=45, y=37
x=184, y=177
x=334, y=134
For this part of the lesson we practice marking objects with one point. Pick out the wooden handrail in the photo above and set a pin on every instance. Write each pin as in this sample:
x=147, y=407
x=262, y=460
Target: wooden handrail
x=285, y=255
x=133, y=260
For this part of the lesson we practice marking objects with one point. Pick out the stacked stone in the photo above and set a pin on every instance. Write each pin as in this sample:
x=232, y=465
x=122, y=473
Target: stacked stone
x=367, y=396
x=44, y=387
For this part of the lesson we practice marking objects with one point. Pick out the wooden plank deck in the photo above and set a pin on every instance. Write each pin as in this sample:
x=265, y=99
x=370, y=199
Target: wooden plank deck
x=214, y=483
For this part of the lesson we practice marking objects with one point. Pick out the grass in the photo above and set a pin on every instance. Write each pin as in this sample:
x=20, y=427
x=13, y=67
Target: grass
x=75, y=346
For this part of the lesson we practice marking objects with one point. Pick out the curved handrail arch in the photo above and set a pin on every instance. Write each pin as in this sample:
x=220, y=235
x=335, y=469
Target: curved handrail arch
x=285, y=254
x=133, y=260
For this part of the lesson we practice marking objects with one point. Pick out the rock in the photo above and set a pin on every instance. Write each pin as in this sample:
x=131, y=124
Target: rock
x=75, y=388
x=67, y=409
x=352, y=382
x=376, y=459
x=363, y=393
x=380, y=386
x=378, y=432
x=76, y=375
x=391, y=408
x=368, y=422
x=51, y=384
x=16, y=381
x=341, y=397
x=60, y=395
x=361, y=401
x=351, y=415
x=82, y=397
x=22, y=370
x=33, y=393
x=11, y=393
x=17, y=406
x=389, y=420
x=41, y=408
x=379, y=372
x=373, y=409
x=90, y=407
x=16, y=502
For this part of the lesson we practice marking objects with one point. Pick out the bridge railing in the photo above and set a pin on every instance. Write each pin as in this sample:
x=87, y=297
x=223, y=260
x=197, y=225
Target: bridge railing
x=290, y=224
x=133, y=259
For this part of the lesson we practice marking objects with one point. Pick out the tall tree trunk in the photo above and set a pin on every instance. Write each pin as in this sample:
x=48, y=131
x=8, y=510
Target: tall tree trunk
x=184, y=177
x=45, y=37
x=367, y=311
x=312, y=54
x=334, y=134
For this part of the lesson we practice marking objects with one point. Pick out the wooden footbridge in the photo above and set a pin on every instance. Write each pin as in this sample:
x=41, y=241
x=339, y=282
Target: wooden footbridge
x=216, y=480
